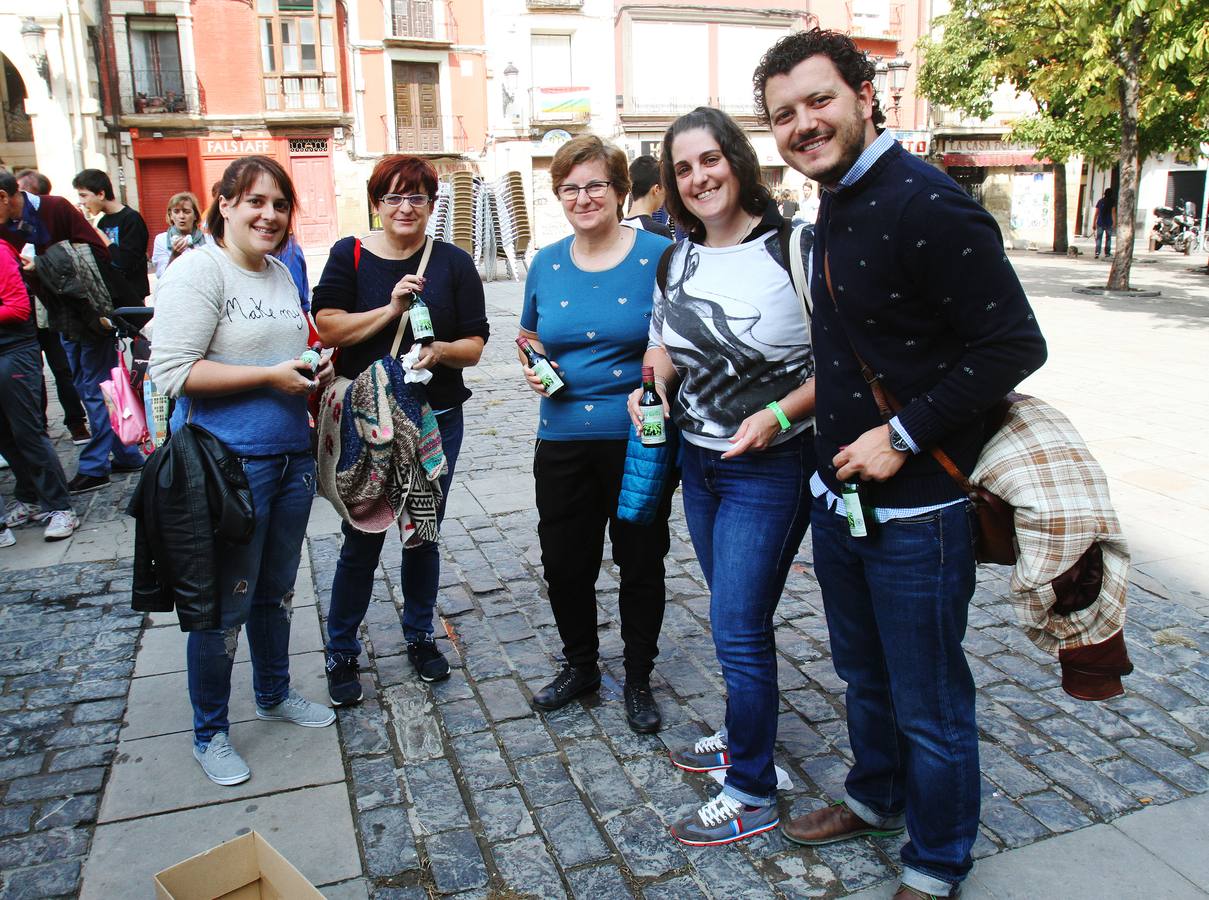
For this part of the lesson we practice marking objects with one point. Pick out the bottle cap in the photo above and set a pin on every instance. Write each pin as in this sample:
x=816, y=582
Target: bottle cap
x=522, y=341
x=648, y=373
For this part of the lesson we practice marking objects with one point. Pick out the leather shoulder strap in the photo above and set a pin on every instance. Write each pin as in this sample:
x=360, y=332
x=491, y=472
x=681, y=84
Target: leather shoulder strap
x=403, y=320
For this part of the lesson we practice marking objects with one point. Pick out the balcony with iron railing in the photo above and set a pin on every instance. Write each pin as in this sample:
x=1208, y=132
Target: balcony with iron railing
x=883, y=24
x=554, y=4
x=157, y=92
x=417, y=22
x=311, y=93
x=425, y=133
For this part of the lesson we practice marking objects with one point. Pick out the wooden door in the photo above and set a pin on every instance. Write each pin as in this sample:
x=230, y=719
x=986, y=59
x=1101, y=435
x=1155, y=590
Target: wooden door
x=315, y=221
x=417, y=107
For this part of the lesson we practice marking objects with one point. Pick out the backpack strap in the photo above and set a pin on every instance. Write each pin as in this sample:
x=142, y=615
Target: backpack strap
x=404, y=319
x=797, y=267
x=356, y=254
x=665, y=262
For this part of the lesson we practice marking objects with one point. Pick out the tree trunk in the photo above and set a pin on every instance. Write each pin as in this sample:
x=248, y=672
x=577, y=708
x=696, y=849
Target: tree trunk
x=1128, y=55
x=1060, y=235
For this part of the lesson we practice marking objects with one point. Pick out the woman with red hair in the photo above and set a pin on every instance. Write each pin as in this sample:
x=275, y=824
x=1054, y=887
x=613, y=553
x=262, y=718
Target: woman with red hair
x=366, y=286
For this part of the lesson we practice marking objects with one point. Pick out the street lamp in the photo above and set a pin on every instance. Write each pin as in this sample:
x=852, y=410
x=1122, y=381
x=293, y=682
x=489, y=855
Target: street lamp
x=510, y=75
x=880, y=70
x=33, y=36
x=898, y=80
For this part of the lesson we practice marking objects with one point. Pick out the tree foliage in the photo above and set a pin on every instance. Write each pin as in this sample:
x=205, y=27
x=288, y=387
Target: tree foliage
x=1114, y=80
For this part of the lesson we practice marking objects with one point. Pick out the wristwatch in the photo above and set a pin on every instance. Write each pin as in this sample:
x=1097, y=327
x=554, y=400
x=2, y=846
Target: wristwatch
x=897, y=441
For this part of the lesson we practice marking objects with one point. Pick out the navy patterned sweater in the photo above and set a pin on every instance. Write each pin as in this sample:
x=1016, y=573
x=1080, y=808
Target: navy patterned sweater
x=928, y=297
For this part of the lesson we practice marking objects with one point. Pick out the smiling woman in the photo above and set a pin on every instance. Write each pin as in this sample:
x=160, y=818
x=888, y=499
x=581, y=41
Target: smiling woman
x=729, y=337
x=236, y=370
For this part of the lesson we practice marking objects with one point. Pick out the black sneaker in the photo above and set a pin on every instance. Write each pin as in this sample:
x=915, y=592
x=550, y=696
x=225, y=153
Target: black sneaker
x=343, y=683
x=82, y=484
x=430, y=664
x=566, y=686
x=121, y=468
x=641, y=711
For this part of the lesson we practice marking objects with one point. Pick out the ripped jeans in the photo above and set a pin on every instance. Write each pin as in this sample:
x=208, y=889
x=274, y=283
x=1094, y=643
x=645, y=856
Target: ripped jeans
x=256, y=591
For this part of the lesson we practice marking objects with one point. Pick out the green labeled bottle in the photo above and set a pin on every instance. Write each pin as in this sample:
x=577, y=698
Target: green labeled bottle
x=552, y=379
x=862, y=523
x=651, y=407
x=421, y=320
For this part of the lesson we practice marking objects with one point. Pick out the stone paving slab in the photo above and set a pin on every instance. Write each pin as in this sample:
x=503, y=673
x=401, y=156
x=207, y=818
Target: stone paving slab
x=159, y=704
x=158, y=774
x=312, y=828
x=1175, y=834
x=162, y=650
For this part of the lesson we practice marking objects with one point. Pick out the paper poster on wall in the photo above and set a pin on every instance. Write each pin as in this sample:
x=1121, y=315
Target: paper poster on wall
x=1032, y=201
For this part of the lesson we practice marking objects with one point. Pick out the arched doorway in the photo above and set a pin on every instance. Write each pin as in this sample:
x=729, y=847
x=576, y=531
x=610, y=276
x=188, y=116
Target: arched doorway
x=16, y=127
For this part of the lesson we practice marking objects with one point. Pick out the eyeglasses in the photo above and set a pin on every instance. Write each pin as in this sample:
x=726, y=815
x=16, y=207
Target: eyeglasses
x=569, y=193
x=393, y=200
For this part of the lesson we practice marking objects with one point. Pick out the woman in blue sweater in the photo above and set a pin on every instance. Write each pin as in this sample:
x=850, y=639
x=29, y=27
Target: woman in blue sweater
x=730, y=341
x=588, y=306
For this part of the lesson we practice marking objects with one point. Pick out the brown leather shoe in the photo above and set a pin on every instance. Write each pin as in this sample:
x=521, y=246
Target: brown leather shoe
x=906, y=892
x=830, y=824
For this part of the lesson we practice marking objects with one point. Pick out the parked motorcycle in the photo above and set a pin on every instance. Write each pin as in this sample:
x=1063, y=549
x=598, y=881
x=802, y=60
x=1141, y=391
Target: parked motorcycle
x=1176, y=229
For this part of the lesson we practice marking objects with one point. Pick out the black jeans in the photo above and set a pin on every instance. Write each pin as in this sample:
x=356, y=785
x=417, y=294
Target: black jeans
x=577, y=487
x=56, y=358
x=23, y=442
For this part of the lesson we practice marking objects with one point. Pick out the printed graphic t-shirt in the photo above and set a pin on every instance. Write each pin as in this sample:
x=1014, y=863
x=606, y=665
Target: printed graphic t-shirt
x=594, y=325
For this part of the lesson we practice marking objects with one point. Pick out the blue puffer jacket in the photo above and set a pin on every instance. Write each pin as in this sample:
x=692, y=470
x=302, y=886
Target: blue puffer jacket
x=646, y=476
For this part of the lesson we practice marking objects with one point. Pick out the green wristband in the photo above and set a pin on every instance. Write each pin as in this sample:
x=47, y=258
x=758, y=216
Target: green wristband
x=780, y=414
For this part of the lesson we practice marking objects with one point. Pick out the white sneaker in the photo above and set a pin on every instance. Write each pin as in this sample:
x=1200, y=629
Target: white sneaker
x=17, y=514
x=221, y=763
x=62, y=525
x=7, y=538
x=299, y=710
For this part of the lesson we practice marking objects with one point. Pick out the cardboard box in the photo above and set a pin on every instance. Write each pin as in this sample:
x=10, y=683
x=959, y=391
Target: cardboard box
x=246, y=868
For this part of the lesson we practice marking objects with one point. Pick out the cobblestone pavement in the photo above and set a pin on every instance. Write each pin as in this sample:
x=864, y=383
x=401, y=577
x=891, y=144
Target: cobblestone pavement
x=460, y=788
x=68, y=637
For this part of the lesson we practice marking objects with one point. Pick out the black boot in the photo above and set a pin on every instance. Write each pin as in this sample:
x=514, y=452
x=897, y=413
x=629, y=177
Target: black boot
x=641, y=711
x=566, y=686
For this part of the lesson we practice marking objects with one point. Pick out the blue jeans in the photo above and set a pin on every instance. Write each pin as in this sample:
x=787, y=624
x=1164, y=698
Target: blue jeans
x=256, y=589
x=420, y=568
x=896, y=609
x=90, y=364
x=747, y=517
x=1104, y=234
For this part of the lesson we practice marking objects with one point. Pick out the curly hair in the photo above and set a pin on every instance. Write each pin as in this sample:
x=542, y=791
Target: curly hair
x=733, y=142
x=853, y=63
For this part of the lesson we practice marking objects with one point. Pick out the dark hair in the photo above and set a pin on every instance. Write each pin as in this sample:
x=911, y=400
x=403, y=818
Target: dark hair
x=644, y=175
x=732, y=141
x=8, y=183
x=93, y=180
x=408, y=172
x=589, y=148
x=41, y=182
x=853, y=64
x=237, y=180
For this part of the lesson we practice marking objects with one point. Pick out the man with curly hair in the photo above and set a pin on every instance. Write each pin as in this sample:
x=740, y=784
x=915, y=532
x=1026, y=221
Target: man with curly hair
x=912, y=290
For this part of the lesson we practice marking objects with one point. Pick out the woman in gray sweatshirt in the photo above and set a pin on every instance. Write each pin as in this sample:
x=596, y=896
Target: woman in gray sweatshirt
x=228, y=335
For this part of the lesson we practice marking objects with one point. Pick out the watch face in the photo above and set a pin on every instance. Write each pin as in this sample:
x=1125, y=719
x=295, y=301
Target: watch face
x=898, y=442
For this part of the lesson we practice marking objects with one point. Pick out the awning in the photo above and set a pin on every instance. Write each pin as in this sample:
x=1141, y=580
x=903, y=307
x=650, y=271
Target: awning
x=993, y=158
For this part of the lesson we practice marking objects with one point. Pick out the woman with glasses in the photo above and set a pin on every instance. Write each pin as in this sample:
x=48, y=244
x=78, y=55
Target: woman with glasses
x=365, y=287
x=587, y=306
x=730, y=340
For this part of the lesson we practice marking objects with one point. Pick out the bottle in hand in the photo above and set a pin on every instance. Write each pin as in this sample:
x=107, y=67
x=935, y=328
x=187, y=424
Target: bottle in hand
x=421, y=320
x=551, y=379
x=651, y=407
x=862, y=523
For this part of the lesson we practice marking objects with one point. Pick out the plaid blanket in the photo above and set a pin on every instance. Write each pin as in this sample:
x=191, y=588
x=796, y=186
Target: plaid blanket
x=1040, y=464
x=380, y=454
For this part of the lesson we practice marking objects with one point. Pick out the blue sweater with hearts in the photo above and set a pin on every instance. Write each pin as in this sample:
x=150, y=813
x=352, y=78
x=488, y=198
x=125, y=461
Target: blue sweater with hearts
x=927, y=295
x=594, y=325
